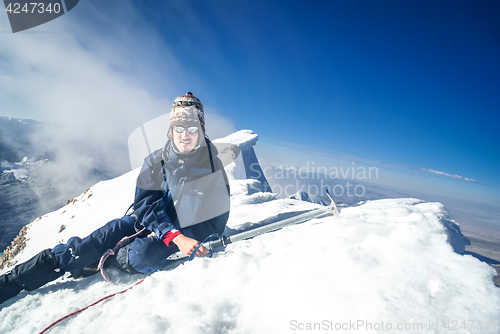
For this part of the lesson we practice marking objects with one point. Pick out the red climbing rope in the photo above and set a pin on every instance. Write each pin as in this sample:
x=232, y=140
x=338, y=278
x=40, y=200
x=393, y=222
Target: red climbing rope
x=83, y=309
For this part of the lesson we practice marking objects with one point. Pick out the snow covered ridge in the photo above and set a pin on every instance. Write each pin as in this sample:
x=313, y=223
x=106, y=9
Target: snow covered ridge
x=383, y=266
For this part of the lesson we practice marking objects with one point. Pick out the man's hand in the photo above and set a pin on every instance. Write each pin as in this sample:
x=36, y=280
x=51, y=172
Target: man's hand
x=188, y=245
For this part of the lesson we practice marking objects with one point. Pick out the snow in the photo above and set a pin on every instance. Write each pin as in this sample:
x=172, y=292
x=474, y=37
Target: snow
x=6, y=164
x=18, y=169
x=20, y=174
x=242, y=138
x=385, y=263
x=246, y=166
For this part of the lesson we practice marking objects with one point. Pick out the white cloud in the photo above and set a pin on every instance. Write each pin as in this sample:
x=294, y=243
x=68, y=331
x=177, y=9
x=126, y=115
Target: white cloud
x=94, y=75
x=457, y=177
x=73, y=78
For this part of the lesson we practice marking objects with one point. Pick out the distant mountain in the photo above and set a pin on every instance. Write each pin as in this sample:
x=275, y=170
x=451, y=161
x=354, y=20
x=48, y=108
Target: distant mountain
x=16, y=138
x=28, y=177
x=311, y=186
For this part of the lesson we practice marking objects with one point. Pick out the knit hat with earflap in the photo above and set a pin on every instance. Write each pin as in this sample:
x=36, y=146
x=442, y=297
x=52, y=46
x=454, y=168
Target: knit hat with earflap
x=187, y=109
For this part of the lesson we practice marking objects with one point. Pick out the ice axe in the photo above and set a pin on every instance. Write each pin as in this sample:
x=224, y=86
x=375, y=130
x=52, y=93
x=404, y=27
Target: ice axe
x=226, y=240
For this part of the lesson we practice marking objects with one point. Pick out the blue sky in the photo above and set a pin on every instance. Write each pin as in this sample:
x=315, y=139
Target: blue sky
x=408, y=82
x=412, y=84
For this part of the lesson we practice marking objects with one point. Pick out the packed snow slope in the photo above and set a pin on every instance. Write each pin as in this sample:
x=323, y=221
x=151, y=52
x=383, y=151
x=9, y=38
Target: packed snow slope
x=383, y=266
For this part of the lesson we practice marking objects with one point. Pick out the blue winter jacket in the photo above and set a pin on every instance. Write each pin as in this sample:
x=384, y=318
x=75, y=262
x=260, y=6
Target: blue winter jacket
x=189, y=193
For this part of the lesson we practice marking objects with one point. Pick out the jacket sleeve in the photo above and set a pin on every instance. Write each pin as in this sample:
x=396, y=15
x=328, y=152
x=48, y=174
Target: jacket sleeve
x=151, y=198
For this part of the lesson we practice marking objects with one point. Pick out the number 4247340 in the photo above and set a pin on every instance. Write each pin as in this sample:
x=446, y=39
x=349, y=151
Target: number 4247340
x=33, y=7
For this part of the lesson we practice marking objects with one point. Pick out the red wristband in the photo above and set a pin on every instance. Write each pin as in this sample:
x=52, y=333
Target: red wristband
x=169, y=236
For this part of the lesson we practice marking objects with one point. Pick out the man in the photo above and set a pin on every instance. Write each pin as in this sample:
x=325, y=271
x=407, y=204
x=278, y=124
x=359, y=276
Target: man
x=182, y=197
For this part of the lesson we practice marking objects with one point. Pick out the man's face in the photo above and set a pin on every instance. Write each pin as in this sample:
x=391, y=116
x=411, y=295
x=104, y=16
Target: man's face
x=185, y=137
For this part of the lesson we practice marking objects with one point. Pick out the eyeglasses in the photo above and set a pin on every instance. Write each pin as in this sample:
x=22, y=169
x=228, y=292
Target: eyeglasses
x=180, y=129
x=187, y=104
